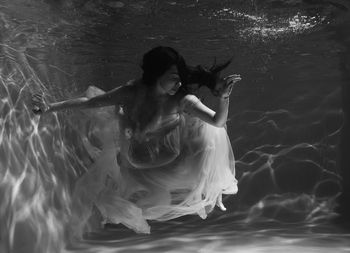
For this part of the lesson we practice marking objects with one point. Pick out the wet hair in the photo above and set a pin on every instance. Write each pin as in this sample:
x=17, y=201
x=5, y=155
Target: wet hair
x=205, y=76
x=158, y=60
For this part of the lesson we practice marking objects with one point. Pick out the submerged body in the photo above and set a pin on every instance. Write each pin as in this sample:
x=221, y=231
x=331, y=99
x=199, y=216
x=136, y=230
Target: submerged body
x=182, y=167
x=162, y=155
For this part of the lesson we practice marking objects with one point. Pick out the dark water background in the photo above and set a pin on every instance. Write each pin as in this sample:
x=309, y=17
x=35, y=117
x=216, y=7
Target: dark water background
x=284, y=123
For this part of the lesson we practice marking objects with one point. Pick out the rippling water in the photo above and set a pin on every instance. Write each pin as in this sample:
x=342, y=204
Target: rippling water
x=285, y=119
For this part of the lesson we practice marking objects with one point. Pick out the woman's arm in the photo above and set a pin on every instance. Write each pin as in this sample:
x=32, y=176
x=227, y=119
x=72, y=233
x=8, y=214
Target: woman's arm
x=80, y=102
x=113, y=97
x=196, y=108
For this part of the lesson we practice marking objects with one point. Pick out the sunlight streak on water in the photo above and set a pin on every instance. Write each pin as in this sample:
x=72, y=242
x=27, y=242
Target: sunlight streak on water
x=35, y=165
x=259, y=26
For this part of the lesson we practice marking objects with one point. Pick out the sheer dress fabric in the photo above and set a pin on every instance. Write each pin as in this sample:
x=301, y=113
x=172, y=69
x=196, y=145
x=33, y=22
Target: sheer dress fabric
x=182, y=167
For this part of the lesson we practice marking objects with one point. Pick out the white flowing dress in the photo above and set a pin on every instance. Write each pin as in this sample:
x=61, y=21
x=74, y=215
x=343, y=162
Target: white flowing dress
x=182, y=167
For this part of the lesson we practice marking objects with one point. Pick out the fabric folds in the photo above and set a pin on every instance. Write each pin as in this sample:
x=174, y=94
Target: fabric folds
x=181, y=167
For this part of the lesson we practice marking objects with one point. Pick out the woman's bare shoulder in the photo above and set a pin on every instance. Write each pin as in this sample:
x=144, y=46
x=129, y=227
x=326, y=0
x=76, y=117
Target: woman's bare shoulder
x=188, y=101
x=130, y=90
x=133, y=85
x=189, y=98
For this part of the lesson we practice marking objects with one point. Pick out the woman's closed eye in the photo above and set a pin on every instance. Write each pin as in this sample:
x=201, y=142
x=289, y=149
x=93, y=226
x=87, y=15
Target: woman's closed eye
x=175, y=79
x=174, y=76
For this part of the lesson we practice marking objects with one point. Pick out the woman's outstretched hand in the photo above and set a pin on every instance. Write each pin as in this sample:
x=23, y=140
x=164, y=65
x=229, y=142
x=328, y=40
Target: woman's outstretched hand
x=224, y=86
x=39, y=104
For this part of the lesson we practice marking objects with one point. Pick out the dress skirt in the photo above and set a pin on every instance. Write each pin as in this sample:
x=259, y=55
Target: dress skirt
x=178, y=171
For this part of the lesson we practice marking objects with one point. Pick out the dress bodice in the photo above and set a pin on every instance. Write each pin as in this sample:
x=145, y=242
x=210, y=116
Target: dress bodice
x=158, y=145
x=159, y=141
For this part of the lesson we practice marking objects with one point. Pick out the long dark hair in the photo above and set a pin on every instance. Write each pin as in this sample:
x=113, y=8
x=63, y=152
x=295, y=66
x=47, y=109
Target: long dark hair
x=158, y=60
x=154, y=64
x=204, y=76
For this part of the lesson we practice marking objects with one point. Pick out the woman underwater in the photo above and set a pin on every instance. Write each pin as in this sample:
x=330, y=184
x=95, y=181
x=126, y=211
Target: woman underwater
x=165, y=154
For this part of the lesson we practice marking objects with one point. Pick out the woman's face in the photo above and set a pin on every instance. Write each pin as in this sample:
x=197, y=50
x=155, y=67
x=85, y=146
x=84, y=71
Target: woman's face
x=169, y=82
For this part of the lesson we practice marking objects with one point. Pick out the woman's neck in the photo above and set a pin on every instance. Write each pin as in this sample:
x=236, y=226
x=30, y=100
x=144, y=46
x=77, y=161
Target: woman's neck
x=158, y=93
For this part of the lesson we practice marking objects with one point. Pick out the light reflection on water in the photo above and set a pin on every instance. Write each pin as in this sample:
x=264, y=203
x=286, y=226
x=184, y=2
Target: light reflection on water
x=261, y=26
x=284, y=125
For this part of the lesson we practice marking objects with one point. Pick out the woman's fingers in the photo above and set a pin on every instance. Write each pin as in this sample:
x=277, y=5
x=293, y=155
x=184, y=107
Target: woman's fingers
x=36, y=110
x=232, y=80
x=37, y=95
x=230, y=83
x=228, y=89
x=225, y=86
x=37, y=98
x=233, y=77
x=39, y=104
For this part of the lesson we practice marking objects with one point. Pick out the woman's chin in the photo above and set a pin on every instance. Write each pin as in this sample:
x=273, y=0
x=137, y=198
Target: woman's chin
x=172, y=93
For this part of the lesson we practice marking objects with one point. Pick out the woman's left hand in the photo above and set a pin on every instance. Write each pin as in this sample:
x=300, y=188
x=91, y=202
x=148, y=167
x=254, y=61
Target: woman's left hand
x=224, y=87
x=39, y=104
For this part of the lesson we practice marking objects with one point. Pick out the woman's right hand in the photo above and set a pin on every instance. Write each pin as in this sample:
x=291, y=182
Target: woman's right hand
x=39, y=104
x=224, y=86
